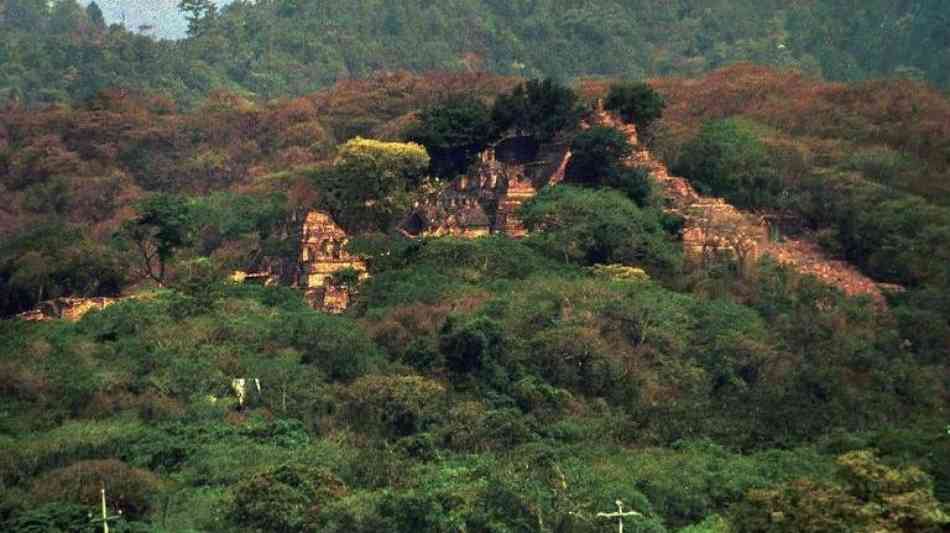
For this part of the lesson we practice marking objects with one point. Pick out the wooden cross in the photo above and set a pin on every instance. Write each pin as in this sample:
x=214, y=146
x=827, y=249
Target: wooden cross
x=105, y=515
x=619, y=514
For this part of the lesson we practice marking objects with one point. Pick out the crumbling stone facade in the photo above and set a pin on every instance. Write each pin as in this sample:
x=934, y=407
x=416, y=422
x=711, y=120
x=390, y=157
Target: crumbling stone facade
x=520, y=190
x=712, y=227
x=715, y=228
x=70, y=309
x=487, y=201
x=453, y=214
x=322, y=254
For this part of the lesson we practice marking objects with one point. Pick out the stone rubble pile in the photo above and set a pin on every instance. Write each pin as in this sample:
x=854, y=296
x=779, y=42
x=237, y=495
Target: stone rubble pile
x=711, y=224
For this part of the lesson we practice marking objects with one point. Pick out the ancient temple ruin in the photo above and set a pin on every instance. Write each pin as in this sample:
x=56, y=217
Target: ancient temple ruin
x=714, y=228
x=452, y=213
x=487, y=200
x=69, y=309
x=322, y=254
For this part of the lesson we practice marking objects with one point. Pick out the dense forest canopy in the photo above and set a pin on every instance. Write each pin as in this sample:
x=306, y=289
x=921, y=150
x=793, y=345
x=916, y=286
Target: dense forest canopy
x=564, y=382
x=59, y=51
x=516, y=381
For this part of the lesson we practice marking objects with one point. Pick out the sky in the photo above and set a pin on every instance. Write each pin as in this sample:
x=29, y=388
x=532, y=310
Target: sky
x=168, y=22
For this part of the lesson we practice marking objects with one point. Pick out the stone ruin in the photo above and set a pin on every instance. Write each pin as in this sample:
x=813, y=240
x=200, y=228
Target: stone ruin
x=483, y=203
x=507, y=221
x=487, y=201
x=322, y=254
x=70, y=309
x=712, y=228
x=452, y=213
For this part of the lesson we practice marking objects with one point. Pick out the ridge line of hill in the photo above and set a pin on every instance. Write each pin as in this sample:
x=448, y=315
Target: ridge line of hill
x=803, y=255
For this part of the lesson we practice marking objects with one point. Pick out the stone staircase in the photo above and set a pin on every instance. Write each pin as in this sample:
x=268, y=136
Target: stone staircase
x=712, y=224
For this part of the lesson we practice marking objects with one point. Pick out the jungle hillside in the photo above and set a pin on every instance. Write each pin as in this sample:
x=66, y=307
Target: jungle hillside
x=476, y=266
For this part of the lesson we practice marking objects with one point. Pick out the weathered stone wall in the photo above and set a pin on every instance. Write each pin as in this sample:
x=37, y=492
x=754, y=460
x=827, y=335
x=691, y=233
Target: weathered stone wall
x=70, y=309
x=507, y=222
x=714, y=227
x=322, y=254
x=488, y=201
x=323, y=250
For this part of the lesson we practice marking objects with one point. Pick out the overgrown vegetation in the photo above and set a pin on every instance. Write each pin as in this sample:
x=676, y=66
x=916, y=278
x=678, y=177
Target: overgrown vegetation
x=61, y=51
x=480, y=385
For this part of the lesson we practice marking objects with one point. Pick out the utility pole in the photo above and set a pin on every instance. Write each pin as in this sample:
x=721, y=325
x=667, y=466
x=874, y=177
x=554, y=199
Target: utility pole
x=619, y=514
x=105, y=513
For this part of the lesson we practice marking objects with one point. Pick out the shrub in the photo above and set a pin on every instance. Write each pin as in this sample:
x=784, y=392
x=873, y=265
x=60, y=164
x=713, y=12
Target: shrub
x=454, y=132
x=637, y=184
x=871, y=495
x=636, y=102
x=537, y=108
x=421, y=284
x=576, y=357
x=53, y=518
x=128, y=489
x=75, y=440
x=392, y=405
x=470, y=346
x=284, y=499
x=336, y=345
x=491, y=258
x=885, y=165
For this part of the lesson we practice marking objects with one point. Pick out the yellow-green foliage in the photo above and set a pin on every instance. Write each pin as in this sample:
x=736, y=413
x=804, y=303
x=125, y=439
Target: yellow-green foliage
x=370, y=183
x=389, y=159
x=620, y=272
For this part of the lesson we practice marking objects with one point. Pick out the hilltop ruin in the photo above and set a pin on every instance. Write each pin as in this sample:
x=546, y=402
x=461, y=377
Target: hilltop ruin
x=713, y=227
x=322, y=254
x=486, y=202
x=69, y=309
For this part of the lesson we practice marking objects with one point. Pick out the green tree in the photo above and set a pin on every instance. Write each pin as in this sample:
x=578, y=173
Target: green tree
x=728, y=159
x=53, y=260
x=537, y=108
x=23, y=14
x=164, y=224
x=94, y=12
x=67, y=17
x=598, y=160
x=597, y=156
x=591, y=227
x=636, y=102
x=371, y=182
x=200, y=283
x=200, y=15
x=454, y=132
